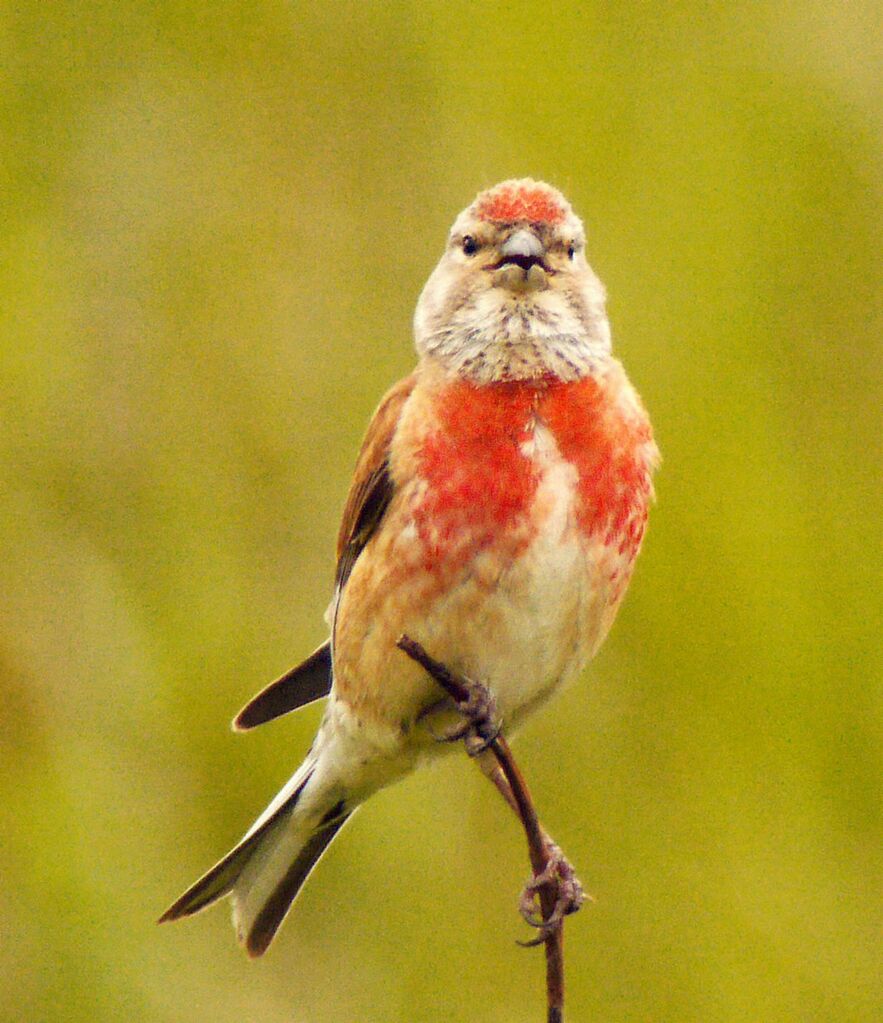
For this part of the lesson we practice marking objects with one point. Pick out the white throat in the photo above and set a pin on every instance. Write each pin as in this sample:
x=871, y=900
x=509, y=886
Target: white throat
x=493, y=336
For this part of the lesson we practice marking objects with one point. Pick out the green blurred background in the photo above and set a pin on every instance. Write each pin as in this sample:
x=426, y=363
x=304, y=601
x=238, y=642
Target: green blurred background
x=216, y=219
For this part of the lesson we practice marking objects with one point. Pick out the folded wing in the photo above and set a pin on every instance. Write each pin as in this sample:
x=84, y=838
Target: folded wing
x=310, y=680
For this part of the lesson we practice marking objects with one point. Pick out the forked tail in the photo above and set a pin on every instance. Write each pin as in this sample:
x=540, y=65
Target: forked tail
x=265, y=871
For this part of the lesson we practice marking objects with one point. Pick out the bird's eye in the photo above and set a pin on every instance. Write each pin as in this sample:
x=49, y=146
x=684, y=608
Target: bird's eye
x=470, y=245
x=571, y=251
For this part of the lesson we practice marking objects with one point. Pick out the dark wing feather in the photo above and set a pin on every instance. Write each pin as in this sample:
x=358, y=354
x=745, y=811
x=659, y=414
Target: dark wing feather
x=378, y=493
x=372, y=488
x=309, y=681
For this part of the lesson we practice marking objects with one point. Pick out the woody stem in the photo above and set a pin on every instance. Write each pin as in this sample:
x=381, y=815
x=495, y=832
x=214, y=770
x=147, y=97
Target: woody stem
x=460, y=689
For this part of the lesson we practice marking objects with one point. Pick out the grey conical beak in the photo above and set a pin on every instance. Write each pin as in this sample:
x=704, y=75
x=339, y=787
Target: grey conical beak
x=522, y=243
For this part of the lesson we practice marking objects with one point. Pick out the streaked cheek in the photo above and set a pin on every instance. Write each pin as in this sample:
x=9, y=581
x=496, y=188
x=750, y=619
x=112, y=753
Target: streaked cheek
x=460, y=295
x=581, y=300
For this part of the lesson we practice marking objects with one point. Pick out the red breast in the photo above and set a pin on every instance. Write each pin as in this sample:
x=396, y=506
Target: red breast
x=480, y=478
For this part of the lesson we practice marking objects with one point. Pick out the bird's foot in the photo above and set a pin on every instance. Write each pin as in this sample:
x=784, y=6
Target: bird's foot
x=558, y=875
x=481, y=725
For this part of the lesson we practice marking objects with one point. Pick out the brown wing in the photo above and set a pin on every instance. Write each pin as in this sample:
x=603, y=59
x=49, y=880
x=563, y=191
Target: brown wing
x=371, y=492
x=372, y=487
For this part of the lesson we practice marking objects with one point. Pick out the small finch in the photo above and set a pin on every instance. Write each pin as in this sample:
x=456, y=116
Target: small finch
x=498, y=505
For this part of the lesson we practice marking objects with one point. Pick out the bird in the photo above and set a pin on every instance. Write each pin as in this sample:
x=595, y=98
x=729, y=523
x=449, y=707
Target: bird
x=498, y=504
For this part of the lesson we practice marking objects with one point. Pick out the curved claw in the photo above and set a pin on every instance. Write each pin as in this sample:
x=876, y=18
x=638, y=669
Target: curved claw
x=480, y=727
x=546, y=926
x=478, y=740
x=569, y=896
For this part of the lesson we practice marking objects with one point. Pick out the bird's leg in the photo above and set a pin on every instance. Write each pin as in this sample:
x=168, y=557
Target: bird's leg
x=473, y=700
x=555, y=874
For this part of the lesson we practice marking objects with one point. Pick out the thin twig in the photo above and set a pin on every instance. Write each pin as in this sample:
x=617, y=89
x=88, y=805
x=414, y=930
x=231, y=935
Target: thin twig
x=460, y=689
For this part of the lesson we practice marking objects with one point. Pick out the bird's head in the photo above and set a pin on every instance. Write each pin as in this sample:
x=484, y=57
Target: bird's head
x=513, y=296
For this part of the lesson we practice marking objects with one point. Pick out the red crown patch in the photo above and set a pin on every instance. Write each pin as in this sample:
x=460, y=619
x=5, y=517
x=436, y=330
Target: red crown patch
x=538, y=204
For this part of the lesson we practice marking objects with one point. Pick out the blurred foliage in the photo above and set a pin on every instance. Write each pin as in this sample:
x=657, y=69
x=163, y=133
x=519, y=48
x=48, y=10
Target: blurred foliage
x=216, y=221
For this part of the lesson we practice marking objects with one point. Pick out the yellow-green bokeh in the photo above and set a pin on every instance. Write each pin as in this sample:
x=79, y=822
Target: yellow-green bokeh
x=216, y=218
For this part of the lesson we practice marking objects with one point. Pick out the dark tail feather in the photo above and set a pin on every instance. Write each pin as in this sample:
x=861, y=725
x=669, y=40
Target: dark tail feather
x=274, y=910
x=219, y=881
x=213, y=885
